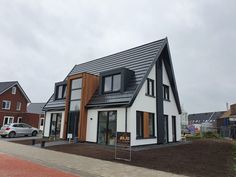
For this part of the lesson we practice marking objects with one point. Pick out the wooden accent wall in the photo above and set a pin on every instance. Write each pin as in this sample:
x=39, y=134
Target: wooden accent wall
x=146, y=125
x=90, y=84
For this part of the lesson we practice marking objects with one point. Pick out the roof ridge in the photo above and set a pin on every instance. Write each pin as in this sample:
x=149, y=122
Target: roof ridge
x=121, y=51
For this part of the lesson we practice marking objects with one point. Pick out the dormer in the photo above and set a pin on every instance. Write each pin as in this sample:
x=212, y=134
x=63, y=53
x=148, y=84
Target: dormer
x=60, y=90
x=115, y=80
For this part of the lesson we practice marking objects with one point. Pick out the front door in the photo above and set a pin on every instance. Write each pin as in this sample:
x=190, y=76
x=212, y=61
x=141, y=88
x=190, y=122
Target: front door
x=55, y=127
x=106, y=127
x=174, y=128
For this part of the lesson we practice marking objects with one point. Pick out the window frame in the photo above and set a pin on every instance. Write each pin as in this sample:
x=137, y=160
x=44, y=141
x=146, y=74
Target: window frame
x=166, y=92
x=6, y=101
x=19, y=119
x=112, y=83
x=13, y=90
x=140, y=137
x=8, y=117
x=150, y=82
x=18, y=105
x=63, y=94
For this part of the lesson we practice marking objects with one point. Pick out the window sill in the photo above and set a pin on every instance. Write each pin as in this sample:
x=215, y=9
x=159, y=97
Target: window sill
x=5, y=109
x=166, y=100
x=150, y=95
x=153, y=137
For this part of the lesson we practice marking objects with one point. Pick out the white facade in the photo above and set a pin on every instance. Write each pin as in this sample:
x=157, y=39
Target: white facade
x=92, y=122
x=170, y=109
x=47, y=122
x=141, y=103
x=146, y=104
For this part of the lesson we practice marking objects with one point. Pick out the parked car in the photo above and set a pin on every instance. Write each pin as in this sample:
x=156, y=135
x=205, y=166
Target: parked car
x=18, y=129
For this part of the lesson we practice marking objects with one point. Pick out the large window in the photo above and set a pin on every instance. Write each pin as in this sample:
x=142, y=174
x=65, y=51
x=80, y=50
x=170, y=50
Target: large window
x=166, y=92
x=112, y=83
x=6, y=104
x=145, y=125
x=74, y=109
x=60, y=92
x=150, y=87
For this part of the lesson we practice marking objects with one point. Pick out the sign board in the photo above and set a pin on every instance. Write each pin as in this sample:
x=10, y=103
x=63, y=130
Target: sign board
x=123, y=138
x=123, y=146
x=69, y=135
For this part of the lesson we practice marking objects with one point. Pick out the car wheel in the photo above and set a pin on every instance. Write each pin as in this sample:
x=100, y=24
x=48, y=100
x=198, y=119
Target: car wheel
x=3, y=136
x=34, y=133
x=11, y=134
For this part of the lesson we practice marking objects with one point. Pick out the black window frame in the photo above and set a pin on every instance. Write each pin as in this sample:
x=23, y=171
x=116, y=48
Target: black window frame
x=63, y=95
x=138, y=136
x=166, y=92
x=152, y=134
x=150, y=81
x=112, y=83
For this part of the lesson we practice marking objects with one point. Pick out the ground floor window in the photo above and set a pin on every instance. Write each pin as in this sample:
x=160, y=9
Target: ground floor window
x=174, y=128
x=55, y=126
x=8, y=120
x=19, y=120
x=106, y=133
x=145, y=125
x=166, y=137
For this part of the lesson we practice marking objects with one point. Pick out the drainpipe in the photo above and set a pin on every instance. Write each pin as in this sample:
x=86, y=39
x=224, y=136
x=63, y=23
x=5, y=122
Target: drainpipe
x=126, y=119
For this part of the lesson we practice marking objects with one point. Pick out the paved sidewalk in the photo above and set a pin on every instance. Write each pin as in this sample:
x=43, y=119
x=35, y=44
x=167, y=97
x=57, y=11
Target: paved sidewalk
x=83, y=166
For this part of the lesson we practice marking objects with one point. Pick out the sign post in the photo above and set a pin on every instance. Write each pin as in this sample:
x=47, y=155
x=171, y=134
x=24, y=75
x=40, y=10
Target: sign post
x=123, y=146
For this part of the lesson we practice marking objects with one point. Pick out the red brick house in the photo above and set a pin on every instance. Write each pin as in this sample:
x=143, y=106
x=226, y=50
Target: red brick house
x=14, y=102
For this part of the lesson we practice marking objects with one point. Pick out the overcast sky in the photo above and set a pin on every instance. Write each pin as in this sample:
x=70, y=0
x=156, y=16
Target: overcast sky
x=41, y=41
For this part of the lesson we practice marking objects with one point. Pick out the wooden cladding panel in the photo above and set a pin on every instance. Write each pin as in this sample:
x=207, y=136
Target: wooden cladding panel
x=90, y=84
x=146, y=125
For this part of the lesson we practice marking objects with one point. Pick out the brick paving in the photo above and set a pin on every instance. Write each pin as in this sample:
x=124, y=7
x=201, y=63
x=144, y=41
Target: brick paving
x=14, y=167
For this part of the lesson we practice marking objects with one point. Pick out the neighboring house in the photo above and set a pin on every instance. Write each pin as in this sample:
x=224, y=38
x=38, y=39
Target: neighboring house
x=14, y=105
x=37, y=108
x=228, y=118
x=207, y=120
x=131, y=91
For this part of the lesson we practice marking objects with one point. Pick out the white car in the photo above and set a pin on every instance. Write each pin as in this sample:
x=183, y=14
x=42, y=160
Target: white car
x=18, y=129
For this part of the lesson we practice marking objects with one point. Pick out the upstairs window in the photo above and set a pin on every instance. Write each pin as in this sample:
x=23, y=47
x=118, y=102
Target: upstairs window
x=150, y=87
x=18, y=106
x=112, y=83
x=60, y=92
x=166, y=92
x=13, y=90
x=6, y=104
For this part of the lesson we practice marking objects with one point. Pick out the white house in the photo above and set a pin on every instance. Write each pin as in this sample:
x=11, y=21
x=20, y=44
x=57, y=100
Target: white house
x=131, y=91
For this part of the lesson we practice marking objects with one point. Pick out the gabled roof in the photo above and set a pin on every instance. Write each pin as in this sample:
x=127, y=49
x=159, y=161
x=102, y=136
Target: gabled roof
x=36, y=108
x=203, y=117
x=4, y=86
x=140, y=59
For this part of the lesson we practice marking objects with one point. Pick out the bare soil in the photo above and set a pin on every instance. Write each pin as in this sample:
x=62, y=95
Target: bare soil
x=211, y=158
